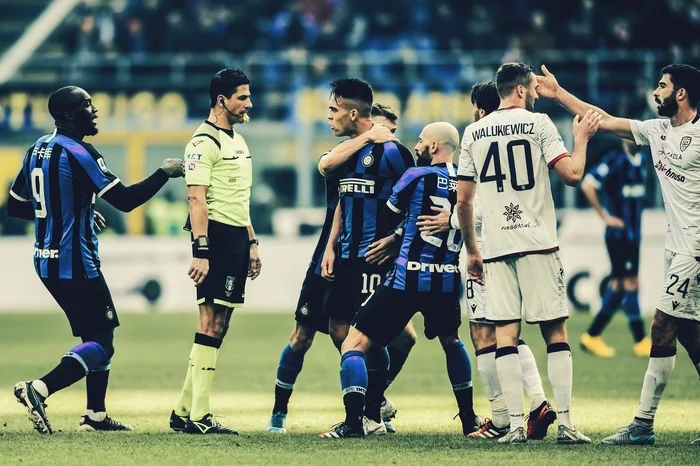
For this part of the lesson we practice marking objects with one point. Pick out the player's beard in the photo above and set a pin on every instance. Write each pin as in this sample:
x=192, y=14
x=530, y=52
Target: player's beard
x=530, y=103
x=423, y=159
x=668, y=107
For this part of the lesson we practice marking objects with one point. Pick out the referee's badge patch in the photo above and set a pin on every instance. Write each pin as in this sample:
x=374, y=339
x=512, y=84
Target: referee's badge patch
x=229, y=283
x=368, y=160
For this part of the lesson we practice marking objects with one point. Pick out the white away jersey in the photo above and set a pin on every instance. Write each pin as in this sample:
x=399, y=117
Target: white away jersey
x=508, y=153
x=676, y=156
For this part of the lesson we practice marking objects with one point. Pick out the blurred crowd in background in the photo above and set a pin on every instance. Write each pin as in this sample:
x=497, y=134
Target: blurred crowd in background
x=516, y=26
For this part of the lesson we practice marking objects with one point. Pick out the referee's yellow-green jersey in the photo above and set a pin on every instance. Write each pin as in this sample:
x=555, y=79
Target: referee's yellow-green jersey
x=220, y=159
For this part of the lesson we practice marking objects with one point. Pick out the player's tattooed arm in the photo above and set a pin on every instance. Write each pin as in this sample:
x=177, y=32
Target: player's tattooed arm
x=328, y=261
x=333, y=160
x=199, y=218
x=549, y=87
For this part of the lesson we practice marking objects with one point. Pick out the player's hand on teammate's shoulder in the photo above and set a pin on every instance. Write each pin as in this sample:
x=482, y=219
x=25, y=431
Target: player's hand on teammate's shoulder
x=174, y=168
x=100, y=222
x=254, y=263
x=586, y=127
x=383, y=250
x=614, y=222
x=380, y=134
x=547, y=84
x=475, y=267
x=327, y=264
x=199, y=268
x=431, y=225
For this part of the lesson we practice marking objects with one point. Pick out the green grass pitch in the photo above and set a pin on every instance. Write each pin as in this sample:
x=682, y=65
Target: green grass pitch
x=149, y=366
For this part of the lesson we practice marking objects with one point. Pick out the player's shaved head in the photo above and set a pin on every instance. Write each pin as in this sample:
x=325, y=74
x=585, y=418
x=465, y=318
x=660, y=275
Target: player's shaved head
x=63, y=100
x=443, y=133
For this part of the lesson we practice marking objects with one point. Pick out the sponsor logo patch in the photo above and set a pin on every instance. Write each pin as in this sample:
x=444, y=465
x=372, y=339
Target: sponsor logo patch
x=512, y=212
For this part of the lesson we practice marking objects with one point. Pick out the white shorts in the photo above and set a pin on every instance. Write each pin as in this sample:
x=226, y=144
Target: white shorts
x=532, y=285
x=475, y=300
x=680, y=297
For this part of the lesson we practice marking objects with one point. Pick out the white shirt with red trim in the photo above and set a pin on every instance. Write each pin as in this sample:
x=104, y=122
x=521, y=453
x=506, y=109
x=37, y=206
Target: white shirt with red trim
x=508, y=153
x=676, y=156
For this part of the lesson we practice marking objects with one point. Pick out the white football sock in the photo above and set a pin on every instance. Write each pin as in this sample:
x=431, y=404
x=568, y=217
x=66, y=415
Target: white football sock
x=486, y=364
x=531, y=377
x=560, y=369
x=655, y=380
x=511, y=377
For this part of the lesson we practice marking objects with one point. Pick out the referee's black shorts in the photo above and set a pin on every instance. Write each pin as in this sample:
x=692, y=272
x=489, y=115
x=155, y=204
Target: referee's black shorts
x=229, y=253
x=86, y=302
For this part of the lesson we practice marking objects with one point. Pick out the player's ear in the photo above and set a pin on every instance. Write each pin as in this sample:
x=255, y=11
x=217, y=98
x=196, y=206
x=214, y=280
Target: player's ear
x=482, y=113
x=681, y=94
x=353, y=114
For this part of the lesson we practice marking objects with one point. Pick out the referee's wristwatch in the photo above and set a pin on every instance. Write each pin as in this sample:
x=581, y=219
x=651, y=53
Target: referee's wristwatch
x=254, y=241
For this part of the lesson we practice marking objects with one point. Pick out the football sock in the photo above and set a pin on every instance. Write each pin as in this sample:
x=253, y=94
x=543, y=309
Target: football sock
x=96, y=385
x=560, y=369
x=696, y=361
x=75, y=365
x=634, y=314
x=97, y=416
x=396, y=361
x=289, y=368
x=353, y=381
x=459, y=370
x=531, y=376
x=204, y=355
x=611, y=301
x=511, y=377
x=486, y=362
x=661, y=363
x=184, y=404
x=377, y=360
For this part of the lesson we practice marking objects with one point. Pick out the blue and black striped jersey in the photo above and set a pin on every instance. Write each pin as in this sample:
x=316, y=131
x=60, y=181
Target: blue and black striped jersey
x=426, y=263
x=623, y=181
x=60, y=176
x=365, y=183
x=331, y=204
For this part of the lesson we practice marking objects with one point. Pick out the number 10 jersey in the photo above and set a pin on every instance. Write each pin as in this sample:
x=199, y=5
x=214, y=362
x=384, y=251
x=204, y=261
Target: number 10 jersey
x=508, y=153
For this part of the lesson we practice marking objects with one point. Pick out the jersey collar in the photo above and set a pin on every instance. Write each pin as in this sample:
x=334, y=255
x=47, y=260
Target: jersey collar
x=230, y=132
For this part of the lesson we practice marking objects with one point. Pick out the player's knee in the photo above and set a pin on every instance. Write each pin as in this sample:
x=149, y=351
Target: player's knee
x=405, y=341
x=452, y=340
x=302, y=339
x=664, y=329
x=105, y=340
x=554, y=331
x=614, y=284
x=630, y=283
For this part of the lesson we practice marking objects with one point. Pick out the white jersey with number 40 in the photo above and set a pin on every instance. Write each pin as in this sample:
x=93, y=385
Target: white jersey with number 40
x=508, y=153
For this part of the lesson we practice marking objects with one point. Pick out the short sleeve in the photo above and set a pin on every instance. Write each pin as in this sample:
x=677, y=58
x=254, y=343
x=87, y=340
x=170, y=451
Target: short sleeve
x=403, y=190
x=641, y=131
x=20, y=187
x=551, y=143
x=200, y=155
x=466, y=170
x=398, y=157
x=94, y=167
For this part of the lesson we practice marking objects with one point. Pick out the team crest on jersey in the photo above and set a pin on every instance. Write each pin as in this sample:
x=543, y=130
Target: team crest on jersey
x=368, y=160
x=512, y=213
x=685, y=142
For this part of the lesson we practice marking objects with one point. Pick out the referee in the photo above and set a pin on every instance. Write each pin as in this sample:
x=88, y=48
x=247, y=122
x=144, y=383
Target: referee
x=218, y=172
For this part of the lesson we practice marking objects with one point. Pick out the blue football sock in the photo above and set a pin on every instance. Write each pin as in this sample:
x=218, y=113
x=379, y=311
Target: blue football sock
x=377, y=370
x=611, y=301
x=634, y=314
x=353, y=381
x=289, y=368
x=459, y=370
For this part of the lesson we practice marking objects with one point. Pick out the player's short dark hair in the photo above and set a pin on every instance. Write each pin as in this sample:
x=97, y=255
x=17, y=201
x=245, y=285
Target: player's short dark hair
x=358, y=92
x=511, y=75
x=485, y=96
x=225, y=82
x=62, y=100
x=686, y=77
x=384, y=111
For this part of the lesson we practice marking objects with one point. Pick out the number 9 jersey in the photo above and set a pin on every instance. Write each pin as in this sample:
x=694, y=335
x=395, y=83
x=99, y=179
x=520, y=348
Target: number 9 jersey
x=509, y=153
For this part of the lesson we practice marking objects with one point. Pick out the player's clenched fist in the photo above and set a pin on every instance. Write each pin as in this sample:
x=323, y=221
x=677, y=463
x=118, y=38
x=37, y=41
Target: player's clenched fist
x=199, y=268
x=586, y=127
x=174, y=168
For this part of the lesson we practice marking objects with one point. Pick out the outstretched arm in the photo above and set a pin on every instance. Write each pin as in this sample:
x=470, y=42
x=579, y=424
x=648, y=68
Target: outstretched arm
x=549, y=87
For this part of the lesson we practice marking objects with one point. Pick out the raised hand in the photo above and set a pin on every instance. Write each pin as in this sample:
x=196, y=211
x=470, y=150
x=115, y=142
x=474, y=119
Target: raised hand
x=547, y=84
x=586, y=127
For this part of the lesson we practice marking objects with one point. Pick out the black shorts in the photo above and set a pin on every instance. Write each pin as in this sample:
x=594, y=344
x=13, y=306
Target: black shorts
x=624, y=257
x=229, y=252
x=388, y=311
x=86, y=302
x=354, y=282
x=310, y=306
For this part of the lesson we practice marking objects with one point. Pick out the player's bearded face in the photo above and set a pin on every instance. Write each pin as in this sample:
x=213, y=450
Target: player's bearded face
x=668, y=106
x=530, y=102
x=423, y=158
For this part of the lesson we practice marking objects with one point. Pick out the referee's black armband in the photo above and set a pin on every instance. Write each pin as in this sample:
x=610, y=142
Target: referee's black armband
x=200, y=247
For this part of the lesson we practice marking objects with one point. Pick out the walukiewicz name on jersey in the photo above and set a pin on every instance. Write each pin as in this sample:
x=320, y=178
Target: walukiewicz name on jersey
x=504, y=130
